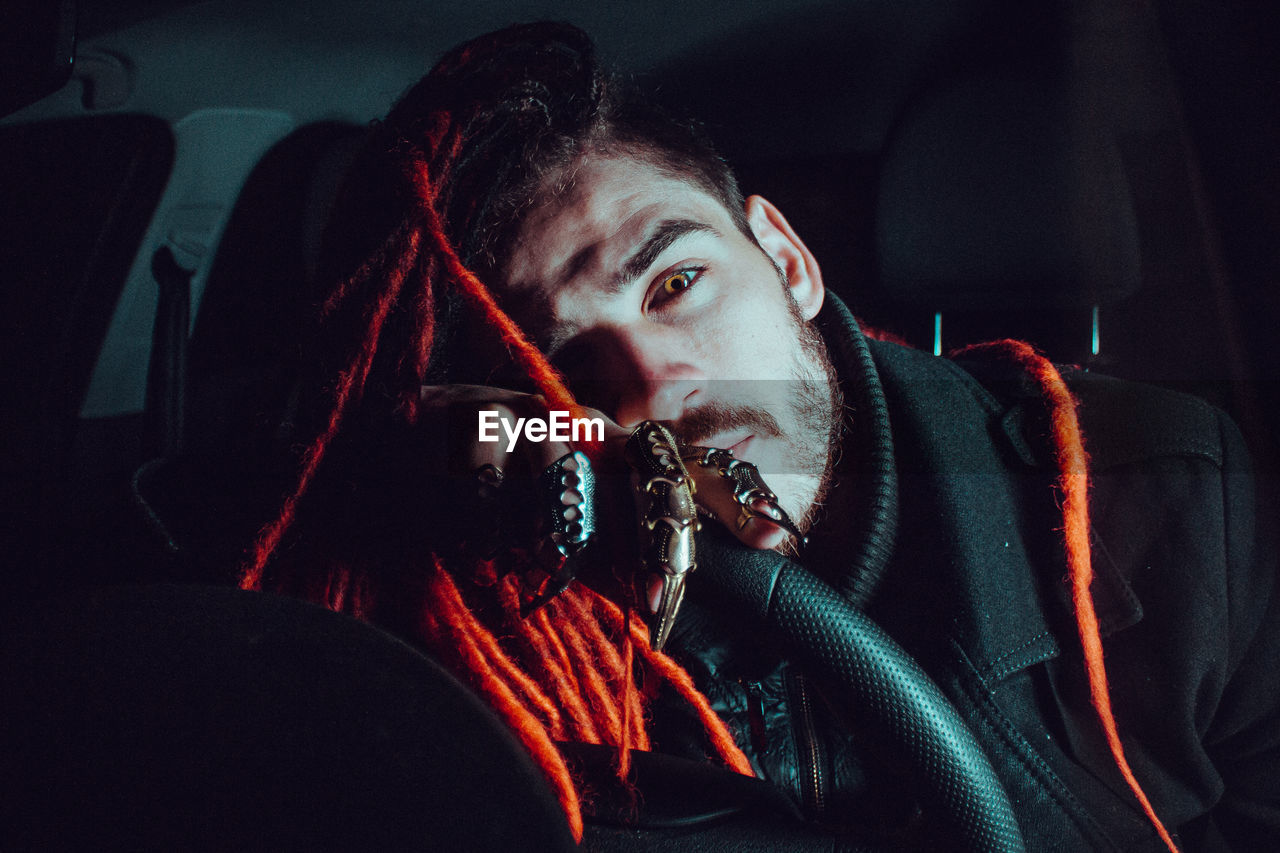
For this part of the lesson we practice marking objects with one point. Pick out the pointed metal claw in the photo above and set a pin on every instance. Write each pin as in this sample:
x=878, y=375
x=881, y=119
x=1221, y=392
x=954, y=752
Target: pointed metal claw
x=749, y=488
x=669, y=602
x=567, y=489
x=746, y=512
x=553, y=586
x=669, y=517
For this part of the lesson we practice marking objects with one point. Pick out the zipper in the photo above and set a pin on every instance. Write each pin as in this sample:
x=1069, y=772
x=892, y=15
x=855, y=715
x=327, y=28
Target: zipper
x=755, y=717
x=808, y=748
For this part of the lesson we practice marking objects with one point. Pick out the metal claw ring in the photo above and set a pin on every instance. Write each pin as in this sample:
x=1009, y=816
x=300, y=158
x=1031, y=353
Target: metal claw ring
x=489, y=478
x=568, y=490
x=669, y=517
x=749, y=487
x=484, y=526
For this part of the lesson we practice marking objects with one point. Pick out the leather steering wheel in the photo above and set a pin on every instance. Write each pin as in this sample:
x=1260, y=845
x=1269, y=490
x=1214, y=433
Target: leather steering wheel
x=887, y=692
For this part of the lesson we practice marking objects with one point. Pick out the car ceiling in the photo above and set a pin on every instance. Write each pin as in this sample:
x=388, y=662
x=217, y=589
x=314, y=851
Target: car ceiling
x=774, y=80
x=805, y=75
x=325, y=58
x=810, y=99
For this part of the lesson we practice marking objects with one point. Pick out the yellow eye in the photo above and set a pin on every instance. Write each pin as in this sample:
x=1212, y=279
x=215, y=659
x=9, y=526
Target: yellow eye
x=677, y=282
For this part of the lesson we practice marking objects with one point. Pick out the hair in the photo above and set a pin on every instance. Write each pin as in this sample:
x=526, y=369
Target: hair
x=1073, y=485
x=505, y=115
x=431, y=200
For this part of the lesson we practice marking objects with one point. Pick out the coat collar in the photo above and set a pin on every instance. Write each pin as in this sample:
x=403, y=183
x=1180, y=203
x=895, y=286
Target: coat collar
x=974, y=532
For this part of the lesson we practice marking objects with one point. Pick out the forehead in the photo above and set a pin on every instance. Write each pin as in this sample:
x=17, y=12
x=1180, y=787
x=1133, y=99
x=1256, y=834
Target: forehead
x=588, y=219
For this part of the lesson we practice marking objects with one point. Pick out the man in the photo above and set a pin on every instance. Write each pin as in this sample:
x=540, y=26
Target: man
x=928, y=490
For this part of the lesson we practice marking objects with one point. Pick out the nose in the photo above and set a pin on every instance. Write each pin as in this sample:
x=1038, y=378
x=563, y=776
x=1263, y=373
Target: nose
x=635, y=376
x=653, y=396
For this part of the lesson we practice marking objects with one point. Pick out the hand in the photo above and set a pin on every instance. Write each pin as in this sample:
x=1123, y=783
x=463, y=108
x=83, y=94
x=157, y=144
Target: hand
x=532, y=494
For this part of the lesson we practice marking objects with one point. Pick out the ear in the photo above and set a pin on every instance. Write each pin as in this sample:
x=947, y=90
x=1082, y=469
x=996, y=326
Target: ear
x=789, y=252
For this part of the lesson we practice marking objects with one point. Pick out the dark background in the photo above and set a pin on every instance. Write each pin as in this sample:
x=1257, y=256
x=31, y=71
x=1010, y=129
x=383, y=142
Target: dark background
x=1009, y=166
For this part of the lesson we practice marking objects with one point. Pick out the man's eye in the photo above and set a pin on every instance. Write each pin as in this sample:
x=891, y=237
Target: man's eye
x=678, y=282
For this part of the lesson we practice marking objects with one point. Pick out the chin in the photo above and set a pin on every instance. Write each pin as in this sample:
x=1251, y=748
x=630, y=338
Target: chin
x=797, y=494
x=776, y=459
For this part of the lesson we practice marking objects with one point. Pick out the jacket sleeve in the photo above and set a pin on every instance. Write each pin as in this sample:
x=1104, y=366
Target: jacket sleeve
x=1188, y=526
x=1243, y=736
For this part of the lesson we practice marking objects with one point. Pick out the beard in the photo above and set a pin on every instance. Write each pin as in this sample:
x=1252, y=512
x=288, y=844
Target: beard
x=813, y=409
x=820, y=406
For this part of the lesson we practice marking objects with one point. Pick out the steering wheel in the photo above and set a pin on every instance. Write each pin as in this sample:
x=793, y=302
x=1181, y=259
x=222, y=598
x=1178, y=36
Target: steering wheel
x=889, y=695
x=175, y=705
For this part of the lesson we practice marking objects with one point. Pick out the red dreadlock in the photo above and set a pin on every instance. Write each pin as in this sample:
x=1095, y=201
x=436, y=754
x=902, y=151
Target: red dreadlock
x=566, y=673
x=1073, y=481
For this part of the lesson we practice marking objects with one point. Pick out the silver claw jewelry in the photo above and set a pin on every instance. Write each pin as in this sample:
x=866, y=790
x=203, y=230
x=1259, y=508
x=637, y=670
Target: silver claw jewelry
x=749, y=488
x=567, y=488
x=669, y=518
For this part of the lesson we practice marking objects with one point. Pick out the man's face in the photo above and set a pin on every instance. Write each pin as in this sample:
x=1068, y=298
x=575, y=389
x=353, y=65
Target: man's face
x=643, y=290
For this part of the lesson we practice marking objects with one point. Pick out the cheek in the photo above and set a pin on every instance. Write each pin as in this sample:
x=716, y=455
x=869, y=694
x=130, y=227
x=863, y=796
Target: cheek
x=751, y=338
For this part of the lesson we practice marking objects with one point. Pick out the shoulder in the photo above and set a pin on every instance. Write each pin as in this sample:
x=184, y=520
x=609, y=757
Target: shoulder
x=1126, y=422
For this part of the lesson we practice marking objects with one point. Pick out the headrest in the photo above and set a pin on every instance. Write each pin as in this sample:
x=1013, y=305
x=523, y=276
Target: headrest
x=997, y=192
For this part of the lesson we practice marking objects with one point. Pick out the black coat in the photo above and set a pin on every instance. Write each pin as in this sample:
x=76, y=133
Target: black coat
x=975, y=586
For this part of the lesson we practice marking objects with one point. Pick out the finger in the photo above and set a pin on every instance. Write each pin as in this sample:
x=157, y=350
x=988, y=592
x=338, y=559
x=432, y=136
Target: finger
x=487, y=447
x=549, y=501
x=732, y=491
x=494, y=479
x=567, y=490
x=474, y=399
x=532, y=500
x=668, y=520
x=444, y=396
x=479, y=472
x=501, y=461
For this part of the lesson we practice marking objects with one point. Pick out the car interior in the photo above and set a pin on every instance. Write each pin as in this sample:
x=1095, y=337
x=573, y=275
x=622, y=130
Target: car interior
x=1097, y=177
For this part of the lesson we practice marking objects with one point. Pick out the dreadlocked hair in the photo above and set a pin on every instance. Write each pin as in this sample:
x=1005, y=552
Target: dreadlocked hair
x=1073, y=484
x=432, y=196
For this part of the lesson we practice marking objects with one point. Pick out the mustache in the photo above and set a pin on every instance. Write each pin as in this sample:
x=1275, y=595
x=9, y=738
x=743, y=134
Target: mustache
x=701, y=423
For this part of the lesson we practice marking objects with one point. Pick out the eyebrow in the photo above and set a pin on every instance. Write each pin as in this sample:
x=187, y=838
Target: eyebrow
x=667, y=233
x=662, y=238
